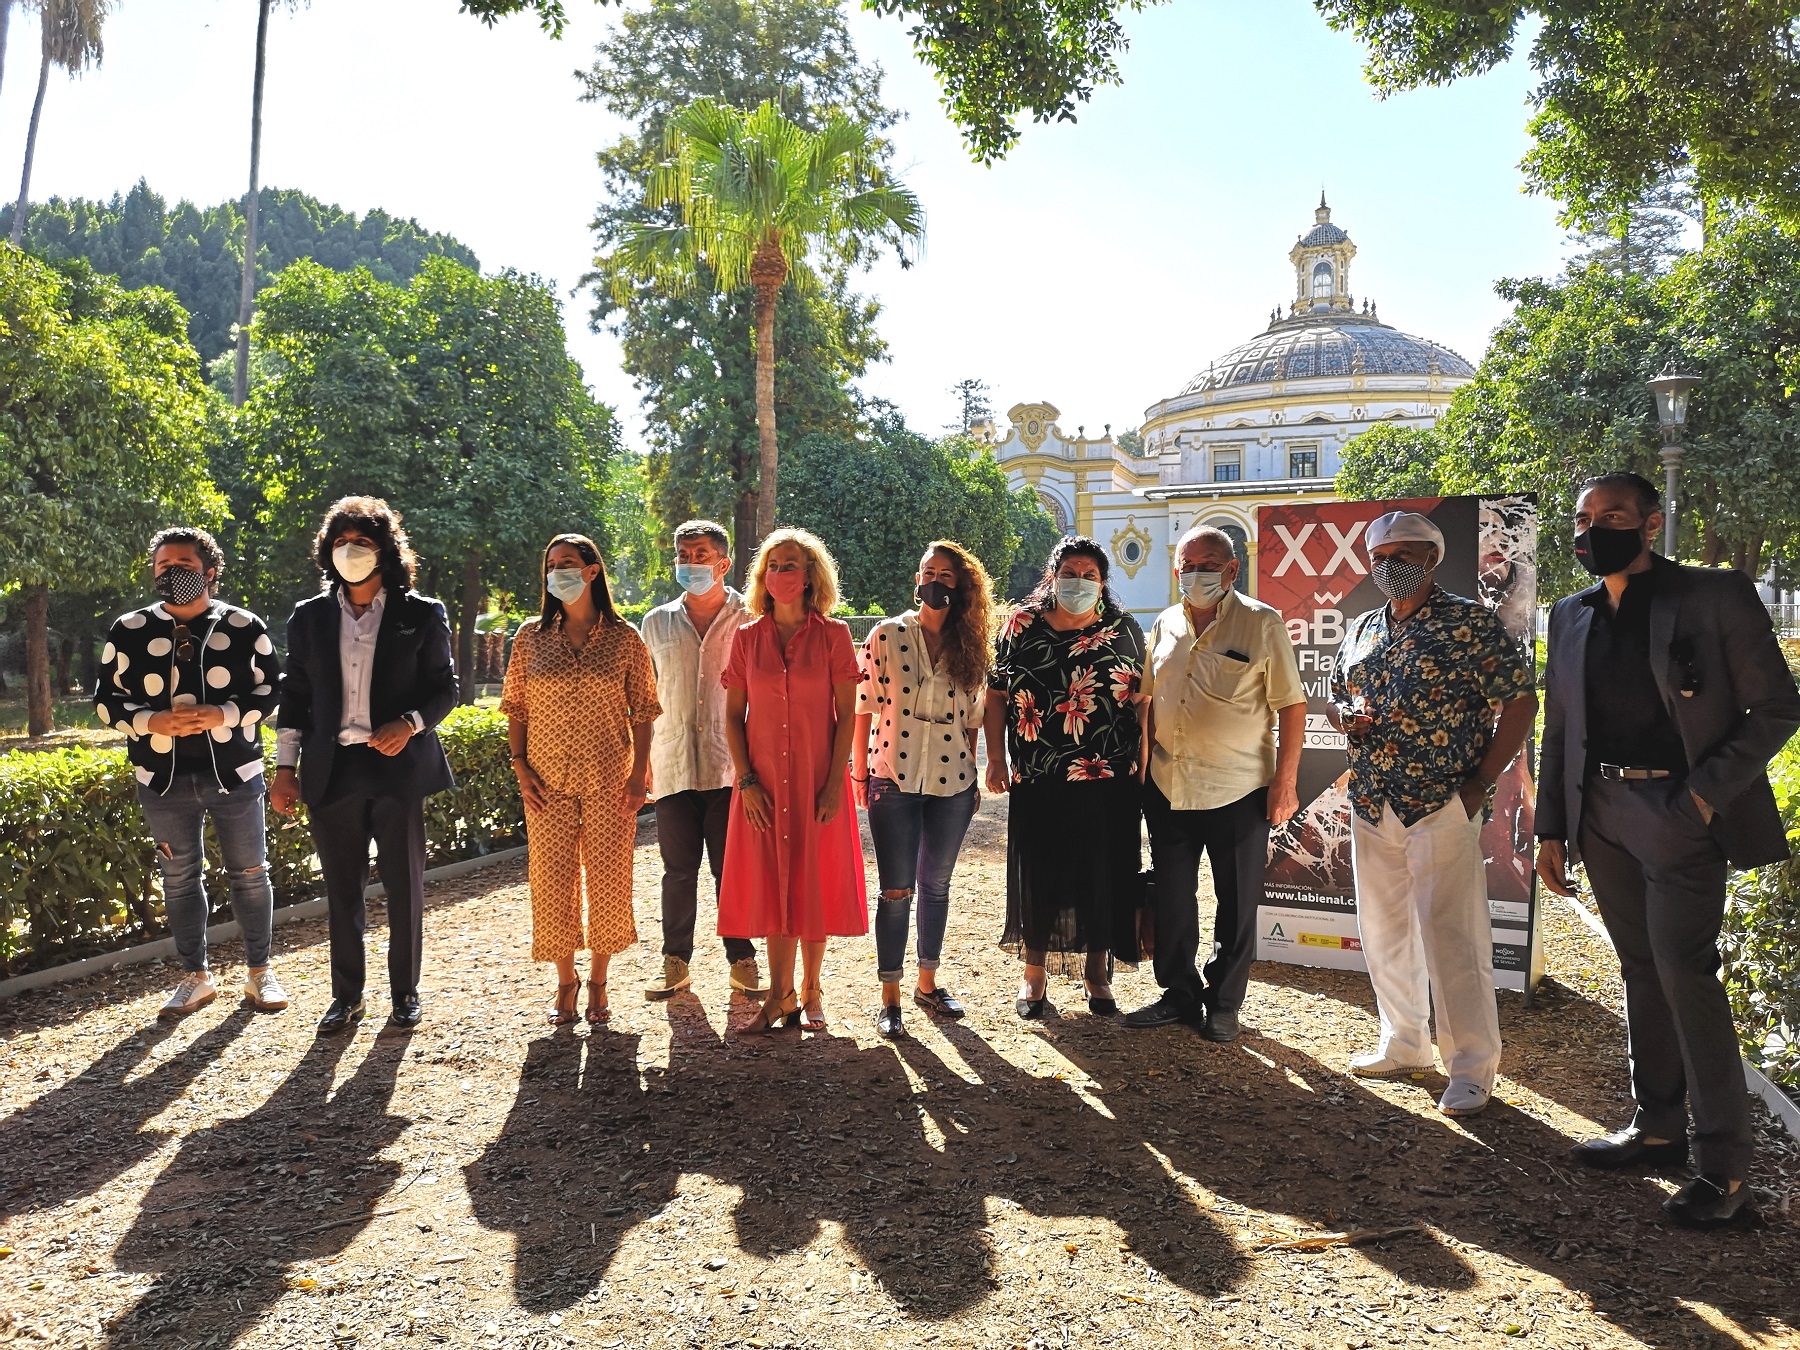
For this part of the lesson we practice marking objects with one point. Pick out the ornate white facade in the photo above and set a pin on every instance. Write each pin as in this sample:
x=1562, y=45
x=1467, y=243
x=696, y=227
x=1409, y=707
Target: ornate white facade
x=1265, y=423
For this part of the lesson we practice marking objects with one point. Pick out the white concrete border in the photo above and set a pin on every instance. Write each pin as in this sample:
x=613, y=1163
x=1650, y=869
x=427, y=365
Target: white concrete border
x=1780, y=1105
x=225, y=932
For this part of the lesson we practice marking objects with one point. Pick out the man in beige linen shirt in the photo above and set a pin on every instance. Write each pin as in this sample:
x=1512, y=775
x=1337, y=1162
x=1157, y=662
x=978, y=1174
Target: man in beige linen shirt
x=1220, y=676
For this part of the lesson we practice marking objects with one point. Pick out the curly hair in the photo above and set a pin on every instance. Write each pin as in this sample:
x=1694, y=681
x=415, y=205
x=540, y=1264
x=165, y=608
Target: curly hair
x=550, y=614
x=212, y=557
x=969, y=653
x=821, y=571
x=373, y=517
x=1043, y=598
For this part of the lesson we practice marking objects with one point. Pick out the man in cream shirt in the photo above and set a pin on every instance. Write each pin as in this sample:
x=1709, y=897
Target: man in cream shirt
x=690, y=768
x=1220, y=678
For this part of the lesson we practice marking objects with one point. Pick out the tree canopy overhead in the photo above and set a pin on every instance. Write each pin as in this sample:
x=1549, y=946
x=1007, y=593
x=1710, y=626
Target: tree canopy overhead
x=197, y=252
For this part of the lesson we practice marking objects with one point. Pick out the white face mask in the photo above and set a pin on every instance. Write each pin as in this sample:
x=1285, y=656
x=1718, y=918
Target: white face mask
x=1202, y=590
x=354, y=562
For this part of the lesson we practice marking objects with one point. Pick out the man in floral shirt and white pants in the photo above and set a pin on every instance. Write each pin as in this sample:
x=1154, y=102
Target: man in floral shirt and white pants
x=1415, y=690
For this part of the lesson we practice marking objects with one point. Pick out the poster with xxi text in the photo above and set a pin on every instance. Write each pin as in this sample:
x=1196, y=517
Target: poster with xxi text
x=1312, y=565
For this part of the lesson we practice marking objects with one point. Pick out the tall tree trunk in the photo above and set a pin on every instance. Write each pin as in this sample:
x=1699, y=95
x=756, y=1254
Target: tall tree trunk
x=6, y=7
x=768, y=272
x=65, y=659
x=247, y=288
x=37, y=112
x=743, y=527
x=40, y=714
x=472, y=605
x=1714, y=548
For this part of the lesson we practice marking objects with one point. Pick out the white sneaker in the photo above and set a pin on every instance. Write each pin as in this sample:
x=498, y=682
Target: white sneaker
x=1464, y=1099
x=675, y=979
x=1378, y=1065
x=195, y=991
x=746, y=979
x=264, y=991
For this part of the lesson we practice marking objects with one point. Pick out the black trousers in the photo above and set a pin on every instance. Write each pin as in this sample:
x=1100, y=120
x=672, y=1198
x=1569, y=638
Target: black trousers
x=1236, y=839
x=355, y=813
x=1659, y=879
x=687, y=824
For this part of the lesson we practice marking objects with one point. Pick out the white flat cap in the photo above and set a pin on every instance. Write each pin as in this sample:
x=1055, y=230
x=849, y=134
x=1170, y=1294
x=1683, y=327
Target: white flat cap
x=1399, y=526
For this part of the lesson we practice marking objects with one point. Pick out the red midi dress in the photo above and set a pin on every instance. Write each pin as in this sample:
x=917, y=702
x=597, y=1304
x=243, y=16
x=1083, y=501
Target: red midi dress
x=798, y=877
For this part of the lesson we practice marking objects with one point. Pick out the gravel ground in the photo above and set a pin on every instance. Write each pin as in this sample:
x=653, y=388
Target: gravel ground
x=488, y=1181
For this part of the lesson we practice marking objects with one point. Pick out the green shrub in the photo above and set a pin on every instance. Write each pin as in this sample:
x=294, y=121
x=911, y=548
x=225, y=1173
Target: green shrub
x=78, y=874
x=1762, y=958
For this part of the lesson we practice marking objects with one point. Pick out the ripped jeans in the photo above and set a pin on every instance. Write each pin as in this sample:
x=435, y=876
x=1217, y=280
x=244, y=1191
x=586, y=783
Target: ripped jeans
x=917, y=838
x=177, y=821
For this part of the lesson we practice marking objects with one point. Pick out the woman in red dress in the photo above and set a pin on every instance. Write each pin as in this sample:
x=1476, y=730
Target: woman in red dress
x=793, y=855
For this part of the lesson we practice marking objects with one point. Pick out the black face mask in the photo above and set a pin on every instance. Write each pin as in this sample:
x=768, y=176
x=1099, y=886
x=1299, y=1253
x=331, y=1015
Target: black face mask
x=1602, y=551
x=934, y=594
x=180, y=585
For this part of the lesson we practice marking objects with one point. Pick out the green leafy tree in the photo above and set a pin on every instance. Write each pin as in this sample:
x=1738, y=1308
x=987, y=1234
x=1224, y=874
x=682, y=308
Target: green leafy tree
x=1037, y=534
x=453, y=397
x=691, y=353
x=1389, y=461
x=971, y=404
x=1645, y=237
x=198, y=252
x=69, y=36
x=946, y=489
x=757, y=194
x=104, y=423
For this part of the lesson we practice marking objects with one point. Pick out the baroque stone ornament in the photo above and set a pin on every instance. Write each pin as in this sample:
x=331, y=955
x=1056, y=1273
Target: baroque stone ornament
x=1130, y=546
x=1033, y=422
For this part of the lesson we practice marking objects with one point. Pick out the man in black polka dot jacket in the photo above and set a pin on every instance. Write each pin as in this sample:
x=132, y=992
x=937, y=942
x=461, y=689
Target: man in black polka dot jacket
x=189, y=680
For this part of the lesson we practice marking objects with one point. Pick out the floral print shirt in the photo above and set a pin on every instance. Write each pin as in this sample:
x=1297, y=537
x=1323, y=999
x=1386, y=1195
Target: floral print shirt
x=1434, y=686
x=1069, y=715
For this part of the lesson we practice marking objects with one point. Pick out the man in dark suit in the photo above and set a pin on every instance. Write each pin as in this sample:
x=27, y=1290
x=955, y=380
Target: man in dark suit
x=1666, y=696
x=369, y=677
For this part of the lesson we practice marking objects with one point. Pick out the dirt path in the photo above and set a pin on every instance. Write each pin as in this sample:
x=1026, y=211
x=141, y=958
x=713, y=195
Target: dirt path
x=486, y=1181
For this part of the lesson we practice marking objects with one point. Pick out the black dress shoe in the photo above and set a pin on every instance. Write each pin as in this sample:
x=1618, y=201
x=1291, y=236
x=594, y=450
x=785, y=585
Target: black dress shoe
x=339, y=1015
x=1709, y=1202
x=1626, y=1150
x=1221, y=1025
x=937, y=1001
x=1103, y=1007
x=1161, y=1013
x=887, y=1022
x=407, y=1011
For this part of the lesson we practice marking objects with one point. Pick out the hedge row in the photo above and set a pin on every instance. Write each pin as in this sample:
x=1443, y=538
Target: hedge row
x=78, y=873
x=1762, y=952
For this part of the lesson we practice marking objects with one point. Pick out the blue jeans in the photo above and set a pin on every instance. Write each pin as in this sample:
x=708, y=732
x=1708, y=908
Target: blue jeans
x=177, y=821
x=917, y=838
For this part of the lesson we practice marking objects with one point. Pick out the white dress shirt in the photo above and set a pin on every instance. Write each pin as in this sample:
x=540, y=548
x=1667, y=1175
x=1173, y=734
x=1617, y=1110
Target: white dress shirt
x=357, y=635
x=688, y=752
x=920, y=721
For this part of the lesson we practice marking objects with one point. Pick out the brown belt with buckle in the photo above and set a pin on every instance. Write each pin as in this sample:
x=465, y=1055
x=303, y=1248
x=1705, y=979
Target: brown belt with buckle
x=1618, y=772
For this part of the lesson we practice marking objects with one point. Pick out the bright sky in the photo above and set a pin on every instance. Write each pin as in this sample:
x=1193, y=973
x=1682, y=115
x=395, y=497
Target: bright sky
x=1099, y=267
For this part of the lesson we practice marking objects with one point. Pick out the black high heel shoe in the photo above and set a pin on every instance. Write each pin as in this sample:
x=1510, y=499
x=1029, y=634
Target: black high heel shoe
x=785, y=1014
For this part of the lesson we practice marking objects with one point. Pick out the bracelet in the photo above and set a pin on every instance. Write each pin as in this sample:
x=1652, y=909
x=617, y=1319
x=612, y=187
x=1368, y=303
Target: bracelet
x=747, y=780
x=518, y=759
x=855, y=779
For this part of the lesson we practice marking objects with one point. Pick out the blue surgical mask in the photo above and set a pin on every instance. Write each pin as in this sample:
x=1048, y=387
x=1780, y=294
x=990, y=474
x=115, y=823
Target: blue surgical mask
x=695, y=578
x=566, y=584
x=1077, y=594
x=1202, y=590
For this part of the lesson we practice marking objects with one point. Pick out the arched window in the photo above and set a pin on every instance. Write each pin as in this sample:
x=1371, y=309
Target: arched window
x=1240, y=548
x=1322, y=281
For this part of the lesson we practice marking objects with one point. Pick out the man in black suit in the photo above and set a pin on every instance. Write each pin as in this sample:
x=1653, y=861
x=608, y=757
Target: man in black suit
x=369, y=677
x=1666, y=696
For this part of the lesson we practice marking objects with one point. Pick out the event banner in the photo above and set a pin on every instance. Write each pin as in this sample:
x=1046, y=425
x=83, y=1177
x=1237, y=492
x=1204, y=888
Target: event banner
x=1313, y=567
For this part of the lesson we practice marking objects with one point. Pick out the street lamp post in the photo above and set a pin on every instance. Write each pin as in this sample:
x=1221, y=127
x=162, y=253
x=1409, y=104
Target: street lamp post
x=1671, y=389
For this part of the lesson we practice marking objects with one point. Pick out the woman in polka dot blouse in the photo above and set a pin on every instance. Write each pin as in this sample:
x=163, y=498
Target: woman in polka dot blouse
x=918, y=709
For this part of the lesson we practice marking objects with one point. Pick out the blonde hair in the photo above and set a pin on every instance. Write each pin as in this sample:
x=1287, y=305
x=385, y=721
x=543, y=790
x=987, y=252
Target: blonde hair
x=821, y=568
x=970, y=651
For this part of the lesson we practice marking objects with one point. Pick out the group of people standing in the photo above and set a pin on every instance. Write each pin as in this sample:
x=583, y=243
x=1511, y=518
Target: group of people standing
x=758, y=728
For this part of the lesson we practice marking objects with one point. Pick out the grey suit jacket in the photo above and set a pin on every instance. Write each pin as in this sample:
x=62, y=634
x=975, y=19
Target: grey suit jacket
x=1727, y=688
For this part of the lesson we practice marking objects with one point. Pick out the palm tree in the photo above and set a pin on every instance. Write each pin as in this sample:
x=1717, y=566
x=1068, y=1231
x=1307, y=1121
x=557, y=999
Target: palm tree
x=247, y=290
x=757, y=195
x=71, y=39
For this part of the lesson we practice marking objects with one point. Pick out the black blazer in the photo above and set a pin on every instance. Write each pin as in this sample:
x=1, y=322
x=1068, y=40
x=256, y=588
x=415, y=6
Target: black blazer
x=1728, y=690
x=413, y=673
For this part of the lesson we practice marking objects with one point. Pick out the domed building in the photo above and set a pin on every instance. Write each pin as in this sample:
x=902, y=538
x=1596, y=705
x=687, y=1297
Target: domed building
x=1264, y=423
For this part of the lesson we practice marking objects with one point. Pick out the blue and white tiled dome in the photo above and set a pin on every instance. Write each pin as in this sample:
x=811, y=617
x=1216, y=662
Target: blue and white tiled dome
x=1335, y=345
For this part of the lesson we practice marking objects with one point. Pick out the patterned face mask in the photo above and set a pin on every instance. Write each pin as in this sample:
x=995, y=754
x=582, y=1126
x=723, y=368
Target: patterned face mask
x=1396, y=578
x=180, y=585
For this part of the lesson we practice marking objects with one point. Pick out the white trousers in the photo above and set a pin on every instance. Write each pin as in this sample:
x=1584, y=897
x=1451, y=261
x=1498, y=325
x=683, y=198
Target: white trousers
x=1421, y=905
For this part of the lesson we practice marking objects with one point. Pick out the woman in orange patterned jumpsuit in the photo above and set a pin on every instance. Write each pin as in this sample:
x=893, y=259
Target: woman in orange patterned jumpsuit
x=580, y=702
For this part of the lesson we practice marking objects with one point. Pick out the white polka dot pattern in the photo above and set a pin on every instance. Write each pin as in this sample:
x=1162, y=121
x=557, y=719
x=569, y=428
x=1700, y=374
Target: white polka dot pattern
x=153, y=683
x=218, y=676
x=219, y=642
x=159, y=646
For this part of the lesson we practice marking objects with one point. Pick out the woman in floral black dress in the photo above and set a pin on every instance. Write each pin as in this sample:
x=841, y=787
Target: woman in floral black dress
x=1064, y=685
